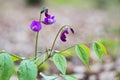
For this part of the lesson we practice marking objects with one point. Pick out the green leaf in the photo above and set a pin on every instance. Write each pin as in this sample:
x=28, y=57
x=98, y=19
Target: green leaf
x=103, y=49
x=69, y=77
x=6, y=66
x=27, y=70
x=15, y=58
x=83, y=53
x=99, y=49
x=60, y=62
x=48, y=77
x=68, y=52
x=86, y=49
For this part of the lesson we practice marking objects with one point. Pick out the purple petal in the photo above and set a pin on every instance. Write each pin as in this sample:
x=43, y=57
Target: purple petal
x=48, y=21
x=66, y=31
x=35, y=26
x=52, y=17
x=46, y=14
x=45, y=20
x=63, y=37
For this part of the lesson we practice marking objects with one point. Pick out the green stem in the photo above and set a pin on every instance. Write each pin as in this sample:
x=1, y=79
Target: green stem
x=40, y=17
x=56, y=38
x=36, y=44
x=67, y=48
x=52, y=46
x=50, y=56
x=43, y=61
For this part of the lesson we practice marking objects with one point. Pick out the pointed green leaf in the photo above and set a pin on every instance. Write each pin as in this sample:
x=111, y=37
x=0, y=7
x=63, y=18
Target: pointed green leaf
x=15, y=58
x=83, y=53
x=85, y=48
x=27, y=70
x=6, y=66
x=48, y=77
x=99, y=49
x=103, y=49
x=69, y=77
x=68, y=52
x=60, y=62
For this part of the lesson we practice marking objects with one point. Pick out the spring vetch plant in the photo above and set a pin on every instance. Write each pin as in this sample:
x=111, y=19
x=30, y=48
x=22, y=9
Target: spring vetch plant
x=28, y=68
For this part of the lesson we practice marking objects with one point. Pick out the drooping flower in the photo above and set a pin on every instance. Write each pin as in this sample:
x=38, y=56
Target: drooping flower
x=49, y=19
x=64, y=33
x=35, y=26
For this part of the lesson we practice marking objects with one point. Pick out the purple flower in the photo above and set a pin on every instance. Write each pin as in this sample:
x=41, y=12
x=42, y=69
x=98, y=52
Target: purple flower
x=36, y=26
x=64, y=32
x=49, y=19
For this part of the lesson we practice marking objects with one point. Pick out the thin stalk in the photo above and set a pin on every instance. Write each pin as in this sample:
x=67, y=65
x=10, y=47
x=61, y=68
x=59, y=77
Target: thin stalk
x=36, y=44
x=67, y=48
x=43, y=61
x=52, y=46
x=40, y=17
x=50, y=56
x=56, y=38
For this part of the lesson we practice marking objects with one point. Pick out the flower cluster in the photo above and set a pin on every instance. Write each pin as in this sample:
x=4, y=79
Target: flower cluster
x=36, y=25
x=48, y=20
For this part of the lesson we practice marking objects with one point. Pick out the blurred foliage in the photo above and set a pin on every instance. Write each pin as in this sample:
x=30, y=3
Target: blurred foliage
x=118, y=75
x=75, y=3
x=113, y=30
x=112, y=47
x=109, y=4
x=98, y=4
x=34, y=2
x=112, y=42
x=68, y=53
x=44, y=67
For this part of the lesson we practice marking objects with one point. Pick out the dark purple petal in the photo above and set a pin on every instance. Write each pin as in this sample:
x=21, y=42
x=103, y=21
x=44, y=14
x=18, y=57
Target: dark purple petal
x=46, y=13
x=53, y=17
x=35, y=26
x=63, y=37
x=72, y=30
x=66, y=31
